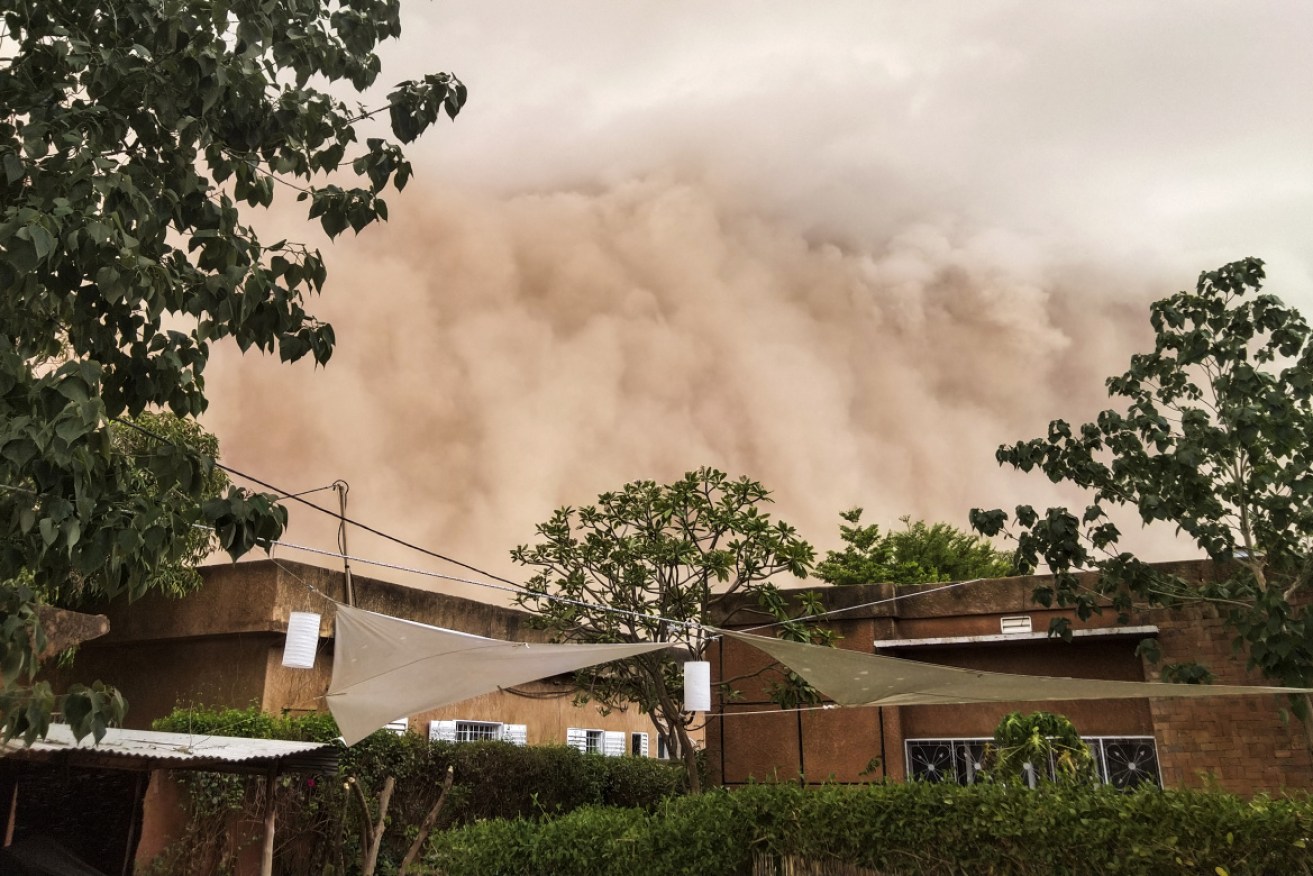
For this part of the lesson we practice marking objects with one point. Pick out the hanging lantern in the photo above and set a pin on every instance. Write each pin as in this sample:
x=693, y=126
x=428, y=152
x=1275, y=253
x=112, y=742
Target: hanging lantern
x=697, y=686
x=302, y=640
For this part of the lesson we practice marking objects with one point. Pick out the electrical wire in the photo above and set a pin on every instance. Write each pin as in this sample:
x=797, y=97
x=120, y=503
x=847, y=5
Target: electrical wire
x=922, y=592
x=513, y=587
x=322, y=510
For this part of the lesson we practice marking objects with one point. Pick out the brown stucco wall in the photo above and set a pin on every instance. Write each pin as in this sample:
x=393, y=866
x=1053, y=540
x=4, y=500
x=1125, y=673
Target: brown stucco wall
x=1242, y=744
x=223, y=646
x=546, y=708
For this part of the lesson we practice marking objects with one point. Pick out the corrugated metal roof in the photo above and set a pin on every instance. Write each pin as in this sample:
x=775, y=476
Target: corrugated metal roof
x=174, y=750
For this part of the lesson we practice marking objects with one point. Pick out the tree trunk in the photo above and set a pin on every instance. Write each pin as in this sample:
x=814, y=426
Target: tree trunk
x=426, y=826
x=376, y=841
x=674, y=717
x=690, y=757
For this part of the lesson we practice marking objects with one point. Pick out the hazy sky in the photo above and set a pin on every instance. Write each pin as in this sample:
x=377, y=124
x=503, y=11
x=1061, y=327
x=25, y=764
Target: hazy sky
x=845, y=249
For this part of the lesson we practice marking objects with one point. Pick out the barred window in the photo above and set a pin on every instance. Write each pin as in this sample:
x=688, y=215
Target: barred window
x=1120, y=761
x=474, y=731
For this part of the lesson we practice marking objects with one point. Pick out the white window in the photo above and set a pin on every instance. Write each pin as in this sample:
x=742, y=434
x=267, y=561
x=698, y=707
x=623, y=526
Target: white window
x=594, y=741
x=398, y=726
x=477, y=731
x=608, y=742
x=638, y=744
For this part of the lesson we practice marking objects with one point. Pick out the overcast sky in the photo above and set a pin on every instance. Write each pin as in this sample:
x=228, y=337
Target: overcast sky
x=844, y=248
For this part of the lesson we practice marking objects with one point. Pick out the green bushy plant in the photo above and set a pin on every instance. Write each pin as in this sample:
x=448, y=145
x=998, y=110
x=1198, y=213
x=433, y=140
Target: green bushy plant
x=894, y=829
x=493, y=780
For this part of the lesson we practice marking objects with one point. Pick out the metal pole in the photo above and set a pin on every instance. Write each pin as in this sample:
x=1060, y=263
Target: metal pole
x=13, y=816
x=342, y=489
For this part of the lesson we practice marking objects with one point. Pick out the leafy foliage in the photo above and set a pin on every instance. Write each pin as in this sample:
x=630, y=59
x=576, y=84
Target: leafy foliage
x=1216, y=438
x=1030, y=743
x=658, y=557
x=130, y=135
x=913, y=829
x=916, y=554
x=494, y=780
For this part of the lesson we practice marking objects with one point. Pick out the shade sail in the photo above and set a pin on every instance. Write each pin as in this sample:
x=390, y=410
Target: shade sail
x=853, y=678
x=384, y=667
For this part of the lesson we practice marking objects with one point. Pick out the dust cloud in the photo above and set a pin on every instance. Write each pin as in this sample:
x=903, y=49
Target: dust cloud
x=501, y=356
x=846, y=250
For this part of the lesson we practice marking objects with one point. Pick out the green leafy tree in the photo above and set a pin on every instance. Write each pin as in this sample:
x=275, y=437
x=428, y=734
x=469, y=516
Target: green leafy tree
x=1216, y=439
x=1041, y=746
x=130, y=135
x=919, y=553
x=649, y=563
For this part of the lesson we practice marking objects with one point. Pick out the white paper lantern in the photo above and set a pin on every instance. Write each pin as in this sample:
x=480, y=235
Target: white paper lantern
x=302, y=640
x=697, y=686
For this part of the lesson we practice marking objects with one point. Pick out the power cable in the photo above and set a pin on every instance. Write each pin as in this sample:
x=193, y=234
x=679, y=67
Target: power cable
x=513, y=587
x=335, y=515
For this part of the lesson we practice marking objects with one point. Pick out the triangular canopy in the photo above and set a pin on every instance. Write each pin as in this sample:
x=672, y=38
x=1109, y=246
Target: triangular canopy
x=384, y=667
x=852, y=678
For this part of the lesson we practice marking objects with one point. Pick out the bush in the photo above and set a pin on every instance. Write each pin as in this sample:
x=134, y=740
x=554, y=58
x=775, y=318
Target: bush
x=493, y=780
x=915, y=828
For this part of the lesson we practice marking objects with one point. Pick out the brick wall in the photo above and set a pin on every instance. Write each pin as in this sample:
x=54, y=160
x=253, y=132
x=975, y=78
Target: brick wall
x=1240, y=744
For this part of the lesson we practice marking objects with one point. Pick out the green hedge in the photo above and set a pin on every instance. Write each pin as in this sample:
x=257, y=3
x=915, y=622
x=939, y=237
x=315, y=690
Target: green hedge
x=914, y=828
x=493, y=780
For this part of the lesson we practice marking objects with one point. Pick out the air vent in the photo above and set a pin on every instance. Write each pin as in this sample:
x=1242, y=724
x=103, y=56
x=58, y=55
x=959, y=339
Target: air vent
x=1014, y=626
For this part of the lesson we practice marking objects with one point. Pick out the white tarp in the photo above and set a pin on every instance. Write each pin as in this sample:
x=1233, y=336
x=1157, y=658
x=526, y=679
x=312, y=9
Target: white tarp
x=853, y=678
x=385, y=666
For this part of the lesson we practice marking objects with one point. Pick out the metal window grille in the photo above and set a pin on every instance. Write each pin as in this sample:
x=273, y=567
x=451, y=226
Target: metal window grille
x=1120, y=761
x=475, y=731
x=594, y=741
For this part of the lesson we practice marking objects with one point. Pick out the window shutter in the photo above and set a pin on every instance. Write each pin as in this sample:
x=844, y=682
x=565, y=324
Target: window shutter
x=613, y=743
x=516, y=734
x=442, y=731
x=645, y=750
x=577, y=738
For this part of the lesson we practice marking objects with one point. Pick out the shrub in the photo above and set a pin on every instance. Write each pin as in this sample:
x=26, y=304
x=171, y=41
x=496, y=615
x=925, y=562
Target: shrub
x=494, y=780
x=915, y=828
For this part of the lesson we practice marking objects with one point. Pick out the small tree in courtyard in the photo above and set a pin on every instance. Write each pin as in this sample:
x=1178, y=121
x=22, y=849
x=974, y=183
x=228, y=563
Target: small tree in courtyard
x=919, y=553
x=1041, y=747
x=1215, y=437
x=648, y=563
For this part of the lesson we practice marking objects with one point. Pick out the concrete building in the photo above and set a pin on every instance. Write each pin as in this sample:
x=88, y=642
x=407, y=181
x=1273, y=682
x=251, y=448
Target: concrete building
x=1243, y=744
x=223, y=646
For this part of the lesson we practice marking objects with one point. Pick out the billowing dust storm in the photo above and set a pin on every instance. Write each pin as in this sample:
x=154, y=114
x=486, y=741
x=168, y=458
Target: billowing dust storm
x=502, y=355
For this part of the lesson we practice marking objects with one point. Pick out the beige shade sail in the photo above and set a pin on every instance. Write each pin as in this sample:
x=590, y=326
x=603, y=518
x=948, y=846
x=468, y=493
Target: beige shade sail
x=385, y=667
x=853, y=678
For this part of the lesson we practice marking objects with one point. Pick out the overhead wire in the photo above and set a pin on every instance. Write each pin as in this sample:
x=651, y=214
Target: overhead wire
x=926, y=591
x=335, y=515
x=512, y=586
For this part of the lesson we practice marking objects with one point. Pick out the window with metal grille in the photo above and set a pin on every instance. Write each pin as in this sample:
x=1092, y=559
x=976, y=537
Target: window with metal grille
x=589, y=741
x=474, y=731
x=1120, y=761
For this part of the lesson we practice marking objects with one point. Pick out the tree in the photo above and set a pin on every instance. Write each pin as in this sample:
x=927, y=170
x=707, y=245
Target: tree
x=650, y=563
x=916, y=554
x=130, y=134
x=1216, y=438
x=1041, y=746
